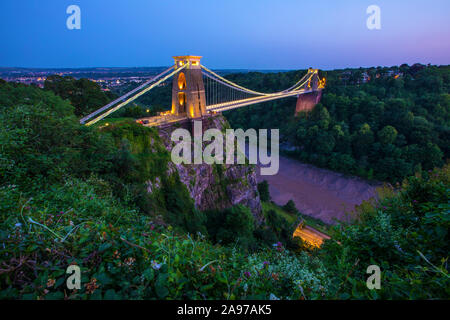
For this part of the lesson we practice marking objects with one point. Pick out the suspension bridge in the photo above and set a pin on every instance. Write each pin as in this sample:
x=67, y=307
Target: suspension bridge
x=199, y=92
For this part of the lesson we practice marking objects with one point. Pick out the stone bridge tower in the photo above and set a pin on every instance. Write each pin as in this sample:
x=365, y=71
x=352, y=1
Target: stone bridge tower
x=307, y=102
x=188, y=90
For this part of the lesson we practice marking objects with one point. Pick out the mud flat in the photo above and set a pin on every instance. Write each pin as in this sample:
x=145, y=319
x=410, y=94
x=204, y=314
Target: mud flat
x=316, y=192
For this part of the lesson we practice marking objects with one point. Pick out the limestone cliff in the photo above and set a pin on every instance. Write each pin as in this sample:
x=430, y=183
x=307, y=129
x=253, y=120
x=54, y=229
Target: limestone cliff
x=215, y=186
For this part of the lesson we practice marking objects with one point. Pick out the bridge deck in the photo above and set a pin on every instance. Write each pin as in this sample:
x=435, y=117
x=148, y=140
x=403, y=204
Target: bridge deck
x=157, y=121
x=242, y=103
x=167, y=119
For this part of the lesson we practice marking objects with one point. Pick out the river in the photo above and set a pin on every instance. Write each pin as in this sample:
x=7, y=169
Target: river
x=316, y=192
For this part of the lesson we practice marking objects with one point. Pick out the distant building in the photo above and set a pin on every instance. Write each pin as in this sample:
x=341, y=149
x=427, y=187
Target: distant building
x=365, y=77
x=345, y=76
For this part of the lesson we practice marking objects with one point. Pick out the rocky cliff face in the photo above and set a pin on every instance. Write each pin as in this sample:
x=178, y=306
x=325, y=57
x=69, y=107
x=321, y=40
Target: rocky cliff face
x=216, y=186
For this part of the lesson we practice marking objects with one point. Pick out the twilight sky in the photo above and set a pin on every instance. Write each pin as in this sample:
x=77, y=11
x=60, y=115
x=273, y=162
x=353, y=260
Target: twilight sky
x=247, y=34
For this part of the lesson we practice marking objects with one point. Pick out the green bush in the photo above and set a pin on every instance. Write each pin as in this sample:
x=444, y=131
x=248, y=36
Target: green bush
x=232, y=226
x=126, y=255
x=85, y=95
x=263, y=189
x=290, y=207
x=42, y=140
x=406, y=234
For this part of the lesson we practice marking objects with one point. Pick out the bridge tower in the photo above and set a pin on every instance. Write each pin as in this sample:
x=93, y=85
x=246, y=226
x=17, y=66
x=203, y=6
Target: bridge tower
x=307, y=102
x=188, y=90
x=313, y=84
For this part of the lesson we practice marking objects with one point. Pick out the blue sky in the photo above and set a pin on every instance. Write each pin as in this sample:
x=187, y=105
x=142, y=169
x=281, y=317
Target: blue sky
x=249, y=34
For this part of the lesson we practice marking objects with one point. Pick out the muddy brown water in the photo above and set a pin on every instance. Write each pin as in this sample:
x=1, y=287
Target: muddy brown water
x=316, y=192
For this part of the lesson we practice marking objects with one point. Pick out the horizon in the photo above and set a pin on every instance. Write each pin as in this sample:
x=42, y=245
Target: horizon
x=237, y=69
x=255, y=35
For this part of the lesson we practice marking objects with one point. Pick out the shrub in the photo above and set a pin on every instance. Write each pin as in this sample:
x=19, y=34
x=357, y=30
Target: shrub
x=263, y=189
x=290, y=207
x=126, y=255
x=406, y=234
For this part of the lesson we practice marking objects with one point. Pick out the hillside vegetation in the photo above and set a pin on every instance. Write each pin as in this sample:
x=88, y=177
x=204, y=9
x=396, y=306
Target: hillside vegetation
x=71, y=194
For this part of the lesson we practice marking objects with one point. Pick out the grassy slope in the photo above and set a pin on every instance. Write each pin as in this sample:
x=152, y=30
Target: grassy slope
x=292, y=218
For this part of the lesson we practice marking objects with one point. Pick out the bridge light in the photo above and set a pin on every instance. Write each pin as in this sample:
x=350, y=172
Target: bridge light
x=181, y=98
x=182, y=81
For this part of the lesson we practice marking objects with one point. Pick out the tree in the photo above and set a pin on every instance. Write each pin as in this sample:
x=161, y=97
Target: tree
x=237, y=225
x=363, y=140
x=321, y=116
x=263, y=189
x=290, y=207
x=357, y=124
x=387, y=135
x=432, y=156
x=85, y=95
x=43, y=141
x=324, y=143
x=422, y=131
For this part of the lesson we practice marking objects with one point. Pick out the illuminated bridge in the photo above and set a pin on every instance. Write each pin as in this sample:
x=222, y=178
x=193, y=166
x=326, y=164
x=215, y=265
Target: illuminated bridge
x=198, y=92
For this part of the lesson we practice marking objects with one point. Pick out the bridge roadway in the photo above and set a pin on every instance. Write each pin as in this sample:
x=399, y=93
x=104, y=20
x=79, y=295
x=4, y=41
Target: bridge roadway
x=245, y=102
x=167, y=119
x=162, y=120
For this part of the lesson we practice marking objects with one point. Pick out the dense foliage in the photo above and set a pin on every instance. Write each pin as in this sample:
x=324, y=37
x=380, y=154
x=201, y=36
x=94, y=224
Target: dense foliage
x=405, y=234
x=74, y=195
x=124, y=254
x=71, y=194
x=386, y=127
x=85, y=95
x=42, y=141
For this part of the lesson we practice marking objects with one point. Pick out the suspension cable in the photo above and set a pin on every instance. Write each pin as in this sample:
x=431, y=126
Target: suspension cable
x=295, y=85
x=232, y=83
x=135, y=96
x=226, y=84
x=301, y=85
x=252, y=91
x=83, y=120
x=216, y=103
